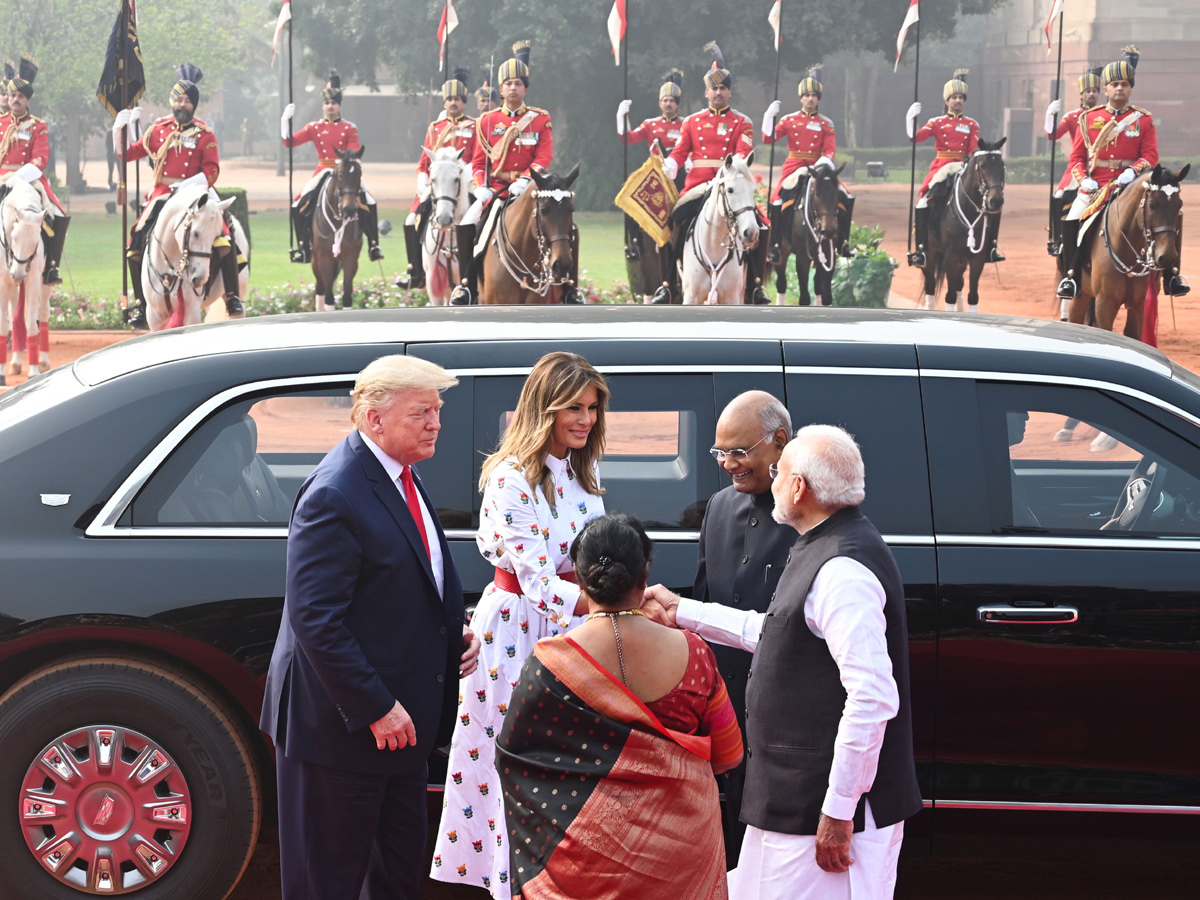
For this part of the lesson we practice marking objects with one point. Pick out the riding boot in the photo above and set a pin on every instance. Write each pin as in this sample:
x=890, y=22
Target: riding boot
x=1174, y=285
x=134, y=314
x=673, y=252
x=845, y=217
x=229, y=275
x=465, y=293
x=633, y=241
x=774, y=251
x=369, y=219
x=994, y=254
x=414, y=278
x=570, y=292
x=1068, y=288
x=917, y=257
x=755, y=266
x=303, y=227
x=54, y=248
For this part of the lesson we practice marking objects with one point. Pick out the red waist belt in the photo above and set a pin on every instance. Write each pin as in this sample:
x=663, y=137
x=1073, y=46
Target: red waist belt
x=507, y=581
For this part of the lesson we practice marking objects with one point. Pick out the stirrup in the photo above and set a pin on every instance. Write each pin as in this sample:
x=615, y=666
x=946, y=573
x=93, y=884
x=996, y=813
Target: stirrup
x=1177, y=287
x=375, y=254
x=759, y=297
x=1054, y=248
x=847, y=251
x=301, y=255
x=570, y=295
x=662, y=295
x=461, y=296
x=50, y=276
x=233, y=306
x=995, y=256
x=134, y=315
x=1067, y=289
x=774, y=257
x=917, y=258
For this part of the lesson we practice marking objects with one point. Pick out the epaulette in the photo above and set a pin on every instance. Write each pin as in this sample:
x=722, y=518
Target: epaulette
x=538, y=109
x=1144, y=112
x=348, y=122
x=199, y=123
x=826, y=118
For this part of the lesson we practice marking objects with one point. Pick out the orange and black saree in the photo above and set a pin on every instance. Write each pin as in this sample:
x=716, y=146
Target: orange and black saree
x=601, y=800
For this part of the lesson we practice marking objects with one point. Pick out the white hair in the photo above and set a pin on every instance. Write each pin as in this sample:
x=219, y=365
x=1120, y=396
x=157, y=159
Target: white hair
x=377, y=385
x=774, y=415
x=830, y=462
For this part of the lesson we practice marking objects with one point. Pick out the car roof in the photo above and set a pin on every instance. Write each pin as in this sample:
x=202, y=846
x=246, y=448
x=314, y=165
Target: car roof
x=610, y=322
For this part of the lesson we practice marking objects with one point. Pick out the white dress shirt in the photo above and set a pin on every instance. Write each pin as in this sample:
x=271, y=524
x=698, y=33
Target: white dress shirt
x=395, y=470
x=844, y=607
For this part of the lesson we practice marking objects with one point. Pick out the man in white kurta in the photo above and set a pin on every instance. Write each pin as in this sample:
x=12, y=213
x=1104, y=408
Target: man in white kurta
x=817, y=489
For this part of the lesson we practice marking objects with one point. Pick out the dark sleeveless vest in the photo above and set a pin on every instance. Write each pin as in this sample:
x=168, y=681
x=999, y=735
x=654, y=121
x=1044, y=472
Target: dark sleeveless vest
x=794, y=698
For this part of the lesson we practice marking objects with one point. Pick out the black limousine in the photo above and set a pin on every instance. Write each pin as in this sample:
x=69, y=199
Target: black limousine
x=1038, y=483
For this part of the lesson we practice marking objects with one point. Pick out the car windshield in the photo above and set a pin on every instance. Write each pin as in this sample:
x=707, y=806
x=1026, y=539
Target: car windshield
x=37, y=394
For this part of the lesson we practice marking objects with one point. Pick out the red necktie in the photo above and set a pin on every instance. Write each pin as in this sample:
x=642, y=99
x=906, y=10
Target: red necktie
x=414, y=505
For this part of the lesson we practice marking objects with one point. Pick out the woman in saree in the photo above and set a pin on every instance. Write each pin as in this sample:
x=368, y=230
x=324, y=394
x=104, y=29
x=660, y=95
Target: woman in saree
x=610, y=744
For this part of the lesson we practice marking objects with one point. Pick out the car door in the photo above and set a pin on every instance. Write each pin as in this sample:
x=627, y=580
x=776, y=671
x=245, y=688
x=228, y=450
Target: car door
x=874, y=393
x=1068, y=531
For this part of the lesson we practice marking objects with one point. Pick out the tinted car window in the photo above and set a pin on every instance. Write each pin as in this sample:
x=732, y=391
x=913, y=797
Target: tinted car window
x=1079, y=460
x=244, y=465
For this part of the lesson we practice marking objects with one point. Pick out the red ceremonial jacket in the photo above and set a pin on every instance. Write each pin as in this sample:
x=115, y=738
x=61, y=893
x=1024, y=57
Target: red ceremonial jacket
x=707, y=137
x=457, y=133
x=808, y=139
x=1068, y=124
x=955, y=138
x=30, y=144
x=518, y=152
x=192, y=152
x=1134, y=145
x=329, y=138
x=660, y=128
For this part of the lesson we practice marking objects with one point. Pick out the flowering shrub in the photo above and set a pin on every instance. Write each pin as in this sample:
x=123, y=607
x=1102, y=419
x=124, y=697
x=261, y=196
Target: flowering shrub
x=369, y=293
x=80, y=311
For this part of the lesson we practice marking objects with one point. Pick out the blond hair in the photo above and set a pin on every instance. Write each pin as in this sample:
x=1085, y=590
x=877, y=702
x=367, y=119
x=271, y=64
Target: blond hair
x=377, y=385
x=556, y=382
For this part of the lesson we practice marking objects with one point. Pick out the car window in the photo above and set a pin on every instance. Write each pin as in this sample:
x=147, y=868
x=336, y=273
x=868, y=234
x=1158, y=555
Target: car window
x=245, y=464
x=1079, y=460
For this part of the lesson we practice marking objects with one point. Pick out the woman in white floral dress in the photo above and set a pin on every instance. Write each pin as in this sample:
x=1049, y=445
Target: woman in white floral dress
x=539, y=488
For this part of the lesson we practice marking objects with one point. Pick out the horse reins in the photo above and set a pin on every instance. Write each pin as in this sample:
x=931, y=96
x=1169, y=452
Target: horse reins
x=9, y=255
x=1143, y=263
x=734, y=249
x=336, y=231
x=826, y=265
x=169, y=280
x=981, y=208
x=511, y=259
x=440, y=247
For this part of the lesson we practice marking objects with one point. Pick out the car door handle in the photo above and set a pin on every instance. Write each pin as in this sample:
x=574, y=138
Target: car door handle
x=1027, y=615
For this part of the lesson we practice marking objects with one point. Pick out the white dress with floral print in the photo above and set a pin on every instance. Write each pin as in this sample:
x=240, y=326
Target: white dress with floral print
x=519, y=532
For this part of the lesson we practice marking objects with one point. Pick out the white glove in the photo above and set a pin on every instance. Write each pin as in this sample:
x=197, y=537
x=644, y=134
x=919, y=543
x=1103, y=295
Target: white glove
x=483, y=195
x=121, y=120
x=687, y=165
x=28, y=173
x=1052, y=110
x=768, y=122
x=671, y=167
x=517, y=188
x=285, y=130
x=824, y=160
x=1088, y=185
x=1127, y=176
x=422, y=182
x=135, y=115
x=622, y=111
x=199, y=178
x=911, y=119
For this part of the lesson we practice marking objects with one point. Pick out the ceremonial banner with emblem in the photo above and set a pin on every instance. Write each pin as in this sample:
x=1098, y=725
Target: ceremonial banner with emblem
x=648, y=197
x=123, y=80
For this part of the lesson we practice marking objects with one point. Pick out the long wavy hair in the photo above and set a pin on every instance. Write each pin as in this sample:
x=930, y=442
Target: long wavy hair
x=557, y=381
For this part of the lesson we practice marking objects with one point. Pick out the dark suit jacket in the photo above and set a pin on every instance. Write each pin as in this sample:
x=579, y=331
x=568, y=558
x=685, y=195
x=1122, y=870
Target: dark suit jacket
x=363, y=625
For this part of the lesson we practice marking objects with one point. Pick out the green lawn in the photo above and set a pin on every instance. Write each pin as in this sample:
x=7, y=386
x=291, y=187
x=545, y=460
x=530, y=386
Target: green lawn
x=92, y=259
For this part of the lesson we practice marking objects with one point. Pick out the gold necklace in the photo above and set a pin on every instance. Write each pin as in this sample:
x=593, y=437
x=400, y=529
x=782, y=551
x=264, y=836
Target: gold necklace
x=614, y=614
x=612, y=617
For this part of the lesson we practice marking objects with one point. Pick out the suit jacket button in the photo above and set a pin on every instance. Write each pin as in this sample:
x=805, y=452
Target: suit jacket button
x=753, y=522
x=440, y=677
x=737, y=598
x=442, y=630
x=745, y=559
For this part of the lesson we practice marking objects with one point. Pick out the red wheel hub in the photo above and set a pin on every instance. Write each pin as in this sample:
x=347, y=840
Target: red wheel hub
x=105, y=810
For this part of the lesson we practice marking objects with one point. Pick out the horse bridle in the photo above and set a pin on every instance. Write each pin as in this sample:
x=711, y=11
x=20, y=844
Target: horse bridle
x=981, y=208
x=169, y=280
x=825, y=264
x=734, y=248
x=511, y=260
x=9, y=256
x=338, y=230
x=1143, y=263
x=439, y=240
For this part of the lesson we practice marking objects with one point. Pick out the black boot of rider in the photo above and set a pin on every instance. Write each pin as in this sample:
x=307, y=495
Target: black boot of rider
x=54, y=249
x=229, y=275
x=1175, y=286
x=303, y=228
x=673, y=252
x=414, y=278
x=845, y=217
x=134, y=314
x=774, y=253
x=465, y=293
x=755, y=266
x=994, y=254
x=1068, y=288
x=369, y=218
x=917, y=257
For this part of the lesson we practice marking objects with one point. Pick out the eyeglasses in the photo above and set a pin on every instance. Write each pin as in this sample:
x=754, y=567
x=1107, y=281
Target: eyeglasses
x=773, y=471
x=736, y=453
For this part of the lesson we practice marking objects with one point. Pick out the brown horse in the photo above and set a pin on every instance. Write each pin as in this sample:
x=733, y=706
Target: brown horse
x=813, y=235
x=533, y=256
x=336, y=236
x=1137, y=239
x=963, y=230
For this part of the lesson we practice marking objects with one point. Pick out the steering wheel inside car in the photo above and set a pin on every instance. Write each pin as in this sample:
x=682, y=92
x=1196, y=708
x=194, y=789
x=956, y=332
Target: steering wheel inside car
x=1145, y=483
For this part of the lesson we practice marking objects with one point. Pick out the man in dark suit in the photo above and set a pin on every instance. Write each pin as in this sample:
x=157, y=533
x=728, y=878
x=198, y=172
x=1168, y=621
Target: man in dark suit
x=363, y=683
x=743, y=551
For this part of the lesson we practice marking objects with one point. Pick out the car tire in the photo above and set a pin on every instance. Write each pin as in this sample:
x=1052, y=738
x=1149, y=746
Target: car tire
x=176, y=713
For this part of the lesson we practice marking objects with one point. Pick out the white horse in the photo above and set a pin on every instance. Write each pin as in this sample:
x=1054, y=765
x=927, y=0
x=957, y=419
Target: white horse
x=21, y=217
x=178, y=279
x=714, y=253
x=449, y=190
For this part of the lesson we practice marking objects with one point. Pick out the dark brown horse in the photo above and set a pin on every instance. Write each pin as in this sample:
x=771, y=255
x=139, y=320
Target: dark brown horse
x=648, y=264
x=533, y=256
x=964, y=229
x=813, y=235
x=336, y=236
x=1135, y=239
